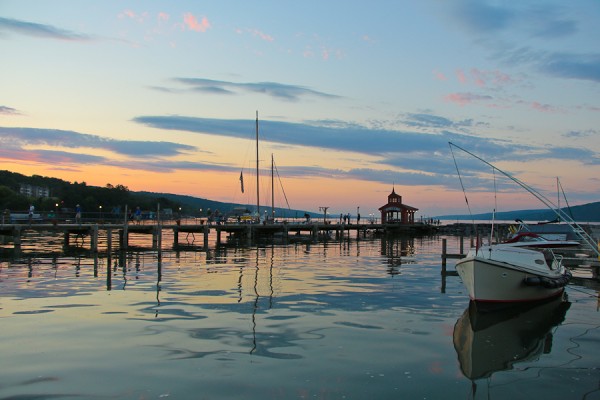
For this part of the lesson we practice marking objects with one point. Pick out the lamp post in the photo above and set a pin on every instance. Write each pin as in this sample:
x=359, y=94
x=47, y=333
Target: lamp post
x=324, y=209
x=100, y=207
x=56, y=212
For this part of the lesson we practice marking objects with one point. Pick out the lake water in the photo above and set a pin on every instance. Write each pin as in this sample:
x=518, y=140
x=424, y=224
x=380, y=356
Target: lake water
x=366, y=319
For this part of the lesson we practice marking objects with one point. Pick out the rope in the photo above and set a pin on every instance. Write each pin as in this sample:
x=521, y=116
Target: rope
x=281, y=184
x=461, y=183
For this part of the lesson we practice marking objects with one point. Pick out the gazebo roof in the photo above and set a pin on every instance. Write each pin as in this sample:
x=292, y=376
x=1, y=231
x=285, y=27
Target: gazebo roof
x=397, y=205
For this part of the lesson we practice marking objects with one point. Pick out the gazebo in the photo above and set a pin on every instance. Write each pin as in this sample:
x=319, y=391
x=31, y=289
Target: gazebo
x=396, y=212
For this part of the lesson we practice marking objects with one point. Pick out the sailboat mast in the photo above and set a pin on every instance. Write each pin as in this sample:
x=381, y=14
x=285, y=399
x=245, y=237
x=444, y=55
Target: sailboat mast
x=272, y=188
x=257, y=177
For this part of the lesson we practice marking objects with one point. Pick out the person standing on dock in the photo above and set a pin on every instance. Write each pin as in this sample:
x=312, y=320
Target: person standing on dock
x=138, y=215
x=358, y=218
x=31, y=211
x=78, y=214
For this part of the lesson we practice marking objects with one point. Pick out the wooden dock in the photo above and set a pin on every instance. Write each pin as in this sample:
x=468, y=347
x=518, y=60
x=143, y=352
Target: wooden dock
x=244, y=232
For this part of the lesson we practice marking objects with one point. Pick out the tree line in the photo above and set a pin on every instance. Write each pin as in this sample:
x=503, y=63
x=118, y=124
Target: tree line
x=65, y=196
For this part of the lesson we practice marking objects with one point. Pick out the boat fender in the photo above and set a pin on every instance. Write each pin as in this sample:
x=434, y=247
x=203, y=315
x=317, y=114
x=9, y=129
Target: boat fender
x=532, y=281
x=548, y=283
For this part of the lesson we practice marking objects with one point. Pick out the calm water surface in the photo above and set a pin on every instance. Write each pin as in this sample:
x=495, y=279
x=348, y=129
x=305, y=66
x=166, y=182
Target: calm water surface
x=367, y=319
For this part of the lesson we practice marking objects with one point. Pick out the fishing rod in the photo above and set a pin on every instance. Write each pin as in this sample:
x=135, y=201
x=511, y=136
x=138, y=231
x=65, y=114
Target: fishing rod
x=577, y=229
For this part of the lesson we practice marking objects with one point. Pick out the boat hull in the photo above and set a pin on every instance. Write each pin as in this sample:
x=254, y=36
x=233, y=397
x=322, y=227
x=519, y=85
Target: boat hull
x=487, y=280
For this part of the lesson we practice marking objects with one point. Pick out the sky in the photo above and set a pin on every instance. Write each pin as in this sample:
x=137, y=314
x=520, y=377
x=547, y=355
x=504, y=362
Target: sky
x=354, y=99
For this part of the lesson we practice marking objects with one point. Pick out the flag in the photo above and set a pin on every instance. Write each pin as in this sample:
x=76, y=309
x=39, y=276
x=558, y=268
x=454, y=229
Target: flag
x=242, y=180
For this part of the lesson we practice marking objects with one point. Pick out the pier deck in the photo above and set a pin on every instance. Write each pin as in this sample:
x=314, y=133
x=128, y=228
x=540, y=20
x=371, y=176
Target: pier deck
x=244, y=231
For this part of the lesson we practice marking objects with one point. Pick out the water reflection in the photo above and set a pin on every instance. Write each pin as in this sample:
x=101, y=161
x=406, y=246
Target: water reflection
x=398, y=250
x=487, y=342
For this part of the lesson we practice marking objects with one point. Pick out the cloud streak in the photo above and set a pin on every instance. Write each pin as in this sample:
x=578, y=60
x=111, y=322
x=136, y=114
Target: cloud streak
x=40, y=30
x=273, y=89
x=19, y=137
x=406, y=149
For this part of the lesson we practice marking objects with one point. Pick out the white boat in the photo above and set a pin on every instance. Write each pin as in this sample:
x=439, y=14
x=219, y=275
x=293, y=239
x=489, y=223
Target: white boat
x=505, y=274
x=533, y=240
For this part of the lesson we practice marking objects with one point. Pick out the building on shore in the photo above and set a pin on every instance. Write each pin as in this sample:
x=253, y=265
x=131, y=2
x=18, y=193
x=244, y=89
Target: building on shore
x=34, y=191
x=394, y=212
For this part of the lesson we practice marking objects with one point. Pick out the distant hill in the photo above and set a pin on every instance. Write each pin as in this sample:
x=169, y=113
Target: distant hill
x=58, y=194
x=583, y=213
x=197, y=203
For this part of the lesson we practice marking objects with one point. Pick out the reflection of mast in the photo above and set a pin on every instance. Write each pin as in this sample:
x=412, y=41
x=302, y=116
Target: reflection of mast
x=158, y=279
x=257, y=295
x=257, y=176
x=255, y=307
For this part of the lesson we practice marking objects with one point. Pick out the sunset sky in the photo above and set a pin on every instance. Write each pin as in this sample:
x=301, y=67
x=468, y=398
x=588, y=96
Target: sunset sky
x=354, y=98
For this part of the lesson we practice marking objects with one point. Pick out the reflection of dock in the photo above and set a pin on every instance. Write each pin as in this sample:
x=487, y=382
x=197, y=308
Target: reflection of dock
x=245, y=232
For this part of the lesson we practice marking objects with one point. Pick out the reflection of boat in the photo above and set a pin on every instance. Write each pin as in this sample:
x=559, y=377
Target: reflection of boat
x=494, y=341
x=499, y=273
x=530, y=239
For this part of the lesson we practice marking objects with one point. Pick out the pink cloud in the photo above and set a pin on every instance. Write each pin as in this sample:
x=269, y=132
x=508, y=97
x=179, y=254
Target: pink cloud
x=133, y=15
x=163, y=16
x=460, y=75
x=127, y=13
x=192, y=23
x=439, y=75
x=262, y=35
x=465, y=98
x=547, y=108
x=478, y=77
x=500, y=78
x=483, y=78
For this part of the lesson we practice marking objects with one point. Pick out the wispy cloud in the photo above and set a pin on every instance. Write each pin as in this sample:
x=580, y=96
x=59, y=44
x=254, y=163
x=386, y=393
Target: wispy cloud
x=546, y=108
x=256, y=33
x=489, y=22
x=393, y=146
x=435, y=121
x=581, y=134
x=20, y=137
x=40, y=30
x=273, y=89
x=572, y=66
x=419, y=158
x=467, y=98
x=4, y=110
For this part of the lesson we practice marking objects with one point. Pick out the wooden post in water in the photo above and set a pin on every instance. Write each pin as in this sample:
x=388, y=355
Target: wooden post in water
x=125, y=233
x=462, y=245
x=17, y=237
x=108, y=252
x=444, y=257
x=206, y=230
x=249, y=232
x=109, y=239
x=95, y=238
x=175, y=236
